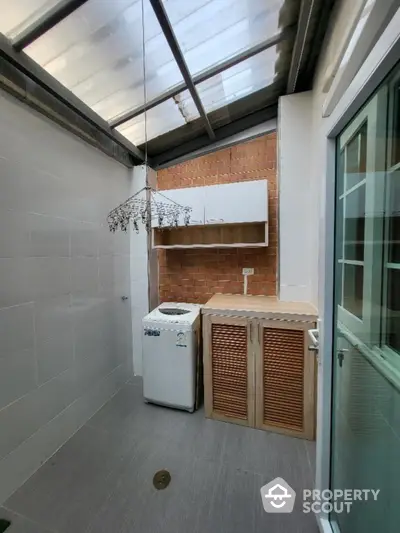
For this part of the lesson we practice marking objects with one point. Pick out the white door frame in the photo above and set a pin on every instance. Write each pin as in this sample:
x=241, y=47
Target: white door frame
x=383, y=57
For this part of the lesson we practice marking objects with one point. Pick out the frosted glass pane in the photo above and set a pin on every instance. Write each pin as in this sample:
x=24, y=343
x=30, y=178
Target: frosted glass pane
x=237, y=82
x=17, y=15
x=97, y=53
x=211, y=31
x=165, y=117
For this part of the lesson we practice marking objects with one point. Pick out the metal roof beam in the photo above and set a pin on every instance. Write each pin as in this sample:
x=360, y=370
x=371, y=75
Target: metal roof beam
x=132, y=113
x=36, y=73
x=166, y=27
x=240, y=137
x=242, y=56
x=205, y=75
x=47, y=21
x=306, y=11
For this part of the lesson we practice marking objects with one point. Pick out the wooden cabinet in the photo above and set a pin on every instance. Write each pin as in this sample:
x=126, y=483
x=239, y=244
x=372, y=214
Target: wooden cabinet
x=228, y=369
x=284, y=376
x=258, y=370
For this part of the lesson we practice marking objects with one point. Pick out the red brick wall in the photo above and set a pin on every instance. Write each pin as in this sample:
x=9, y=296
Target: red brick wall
x=195, y=275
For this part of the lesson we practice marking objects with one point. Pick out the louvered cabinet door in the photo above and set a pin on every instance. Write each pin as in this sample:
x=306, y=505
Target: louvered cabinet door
x=285, y=369
x=228, y=370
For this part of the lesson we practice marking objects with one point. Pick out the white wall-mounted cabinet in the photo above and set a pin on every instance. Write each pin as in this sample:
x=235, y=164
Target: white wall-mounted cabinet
x=188, y=197
x=230, y=203
x=229, y=215
x=236, y=203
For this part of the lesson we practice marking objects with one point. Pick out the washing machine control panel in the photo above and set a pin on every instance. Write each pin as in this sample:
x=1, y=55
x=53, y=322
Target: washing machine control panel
x=152, y=332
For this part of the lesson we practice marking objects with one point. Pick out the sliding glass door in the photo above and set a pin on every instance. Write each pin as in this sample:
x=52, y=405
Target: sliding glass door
x=365, y=447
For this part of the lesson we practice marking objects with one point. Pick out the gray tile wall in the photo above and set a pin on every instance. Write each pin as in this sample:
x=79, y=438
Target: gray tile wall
x=65, y=333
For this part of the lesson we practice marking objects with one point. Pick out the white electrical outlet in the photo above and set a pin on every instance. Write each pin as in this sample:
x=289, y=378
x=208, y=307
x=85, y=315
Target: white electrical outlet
x=248, y=271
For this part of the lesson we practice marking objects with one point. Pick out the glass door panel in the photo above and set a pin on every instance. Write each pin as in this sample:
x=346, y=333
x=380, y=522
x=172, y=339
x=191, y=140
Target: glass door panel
x=365, y=447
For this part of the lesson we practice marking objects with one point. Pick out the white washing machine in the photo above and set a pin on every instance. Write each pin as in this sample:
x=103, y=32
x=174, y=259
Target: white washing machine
x=171, y=336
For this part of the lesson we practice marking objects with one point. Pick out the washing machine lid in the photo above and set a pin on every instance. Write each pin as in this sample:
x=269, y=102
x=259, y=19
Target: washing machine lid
x=174, y=313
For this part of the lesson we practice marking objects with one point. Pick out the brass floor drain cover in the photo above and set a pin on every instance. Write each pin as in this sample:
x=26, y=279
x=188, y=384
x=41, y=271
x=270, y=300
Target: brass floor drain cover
x=161, y=479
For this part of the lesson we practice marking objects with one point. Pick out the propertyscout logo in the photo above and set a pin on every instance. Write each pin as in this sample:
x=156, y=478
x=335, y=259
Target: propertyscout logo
x=278, y=497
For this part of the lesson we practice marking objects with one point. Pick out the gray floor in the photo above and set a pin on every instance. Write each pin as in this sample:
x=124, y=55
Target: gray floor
x=101, y=479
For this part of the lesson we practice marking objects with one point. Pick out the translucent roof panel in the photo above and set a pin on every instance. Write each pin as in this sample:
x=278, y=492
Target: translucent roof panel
x=211, y=31
x=160, y=119
x=236, y=82
x=18, y=15
x=97, y=53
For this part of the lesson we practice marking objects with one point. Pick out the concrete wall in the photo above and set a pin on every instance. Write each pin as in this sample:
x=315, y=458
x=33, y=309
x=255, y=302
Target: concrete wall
x=65, y=333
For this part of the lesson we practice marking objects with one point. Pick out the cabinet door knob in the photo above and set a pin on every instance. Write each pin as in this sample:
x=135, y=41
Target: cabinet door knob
x=124, y=298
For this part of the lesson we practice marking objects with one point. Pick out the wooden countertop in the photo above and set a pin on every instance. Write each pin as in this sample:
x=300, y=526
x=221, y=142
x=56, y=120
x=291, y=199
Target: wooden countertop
x=259, y=307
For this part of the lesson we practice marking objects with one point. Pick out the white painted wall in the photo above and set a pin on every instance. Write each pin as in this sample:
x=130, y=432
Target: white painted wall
x=302, y=160
x=298, y=239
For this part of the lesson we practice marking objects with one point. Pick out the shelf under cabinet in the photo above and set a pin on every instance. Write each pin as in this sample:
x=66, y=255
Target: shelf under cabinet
x=249, y=235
